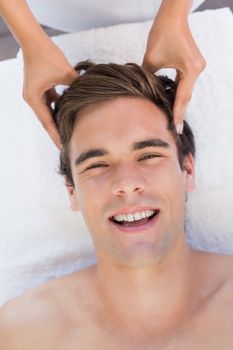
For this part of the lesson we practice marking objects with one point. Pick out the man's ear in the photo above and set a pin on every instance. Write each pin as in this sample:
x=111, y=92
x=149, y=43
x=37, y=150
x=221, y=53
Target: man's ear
x=73, y=195
x=189, y=172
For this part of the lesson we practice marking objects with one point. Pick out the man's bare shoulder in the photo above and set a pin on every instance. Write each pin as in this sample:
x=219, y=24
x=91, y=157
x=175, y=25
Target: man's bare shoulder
x=28, y=321
x=225, y=263
x=19, y=318
x=216, y=268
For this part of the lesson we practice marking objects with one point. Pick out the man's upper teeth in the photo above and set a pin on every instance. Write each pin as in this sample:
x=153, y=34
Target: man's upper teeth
x=134, y=216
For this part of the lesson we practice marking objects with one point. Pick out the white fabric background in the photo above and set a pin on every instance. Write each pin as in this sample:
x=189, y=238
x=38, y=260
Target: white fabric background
x=40, y=237
x=74, y=15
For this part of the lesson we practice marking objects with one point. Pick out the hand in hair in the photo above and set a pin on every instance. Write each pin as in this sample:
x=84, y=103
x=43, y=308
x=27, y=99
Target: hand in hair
x=43, y=70
x=170, y=45
x=45, y=65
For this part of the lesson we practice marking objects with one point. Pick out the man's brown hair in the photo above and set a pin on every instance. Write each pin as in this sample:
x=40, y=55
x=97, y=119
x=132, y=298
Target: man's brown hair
x=104, y=82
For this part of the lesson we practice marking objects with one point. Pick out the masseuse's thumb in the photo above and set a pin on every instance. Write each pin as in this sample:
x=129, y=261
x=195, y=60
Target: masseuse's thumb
x=43, y=113
x=40, y=100
x=183, y=97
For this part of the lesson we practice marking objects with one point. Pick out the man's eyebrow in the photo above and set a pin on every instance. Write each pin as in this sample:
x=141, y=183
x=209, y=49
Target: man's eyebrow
x=100, y=152
x=150, y=143
x=91, y=153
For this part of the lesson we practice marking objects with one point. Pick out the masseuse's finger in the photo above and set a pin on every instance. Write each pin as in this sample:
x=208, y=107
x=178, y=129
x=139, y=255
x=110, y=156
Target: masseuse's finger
x=186, y=81
x=51, y=96
x=43, y=113
x=149, y=65
x=183, y=97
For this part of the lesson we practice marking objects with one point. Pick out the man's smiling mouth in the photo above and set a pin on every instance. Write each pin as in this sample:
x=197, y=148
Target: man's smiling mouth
x=134, y=219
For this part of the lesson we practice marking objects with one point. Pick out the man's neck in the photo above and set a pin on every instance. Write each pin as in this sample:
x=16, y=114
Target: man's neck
x=159, y=296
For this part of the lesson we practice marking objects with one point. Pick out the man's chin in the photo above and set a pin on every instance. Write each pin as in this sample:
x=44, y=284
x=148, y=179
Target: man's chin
x=141, y=253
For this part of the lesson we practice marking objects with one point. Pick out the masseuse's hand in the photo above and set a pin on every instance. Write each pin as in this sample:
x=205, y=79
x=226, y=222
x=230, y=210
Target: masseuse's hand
x=170, y=45
x=45, y=65
x=43, y=70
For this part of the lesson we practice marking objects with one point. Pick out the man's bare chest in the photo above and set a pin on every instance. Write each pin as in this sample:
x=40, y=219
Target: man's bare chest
x=209, y=328
x=207, y=339
x=209, y=331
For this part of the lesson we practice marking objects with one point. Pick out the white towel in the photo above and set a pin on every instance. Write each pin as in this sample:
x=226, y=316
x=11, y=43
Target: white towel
x=40, y=237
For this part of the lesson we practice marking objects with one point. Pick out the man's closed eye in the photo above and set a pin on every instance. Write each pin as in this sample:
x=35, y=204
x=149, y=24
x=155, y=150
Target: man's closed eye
x=145, y=157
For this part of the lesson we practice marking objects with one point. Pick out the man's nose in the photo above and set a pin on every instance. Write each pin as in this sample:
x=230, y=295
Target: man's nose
x=126, y=180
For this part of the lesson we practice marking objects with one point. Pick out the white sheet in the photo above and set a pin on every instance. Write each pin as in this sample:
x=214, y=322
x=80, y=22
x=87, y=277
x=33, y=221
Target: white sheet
x=40, y=237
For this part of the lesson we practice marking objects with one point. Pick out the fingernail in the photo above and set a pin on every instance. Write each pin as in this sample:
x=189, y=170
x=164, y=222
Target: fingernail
x=179, y=128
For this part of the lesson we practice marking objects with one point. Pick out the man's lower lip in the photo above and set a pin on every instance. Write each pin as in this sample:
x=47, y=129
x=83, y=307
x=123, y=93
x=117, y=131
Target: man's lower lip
x=135, y=229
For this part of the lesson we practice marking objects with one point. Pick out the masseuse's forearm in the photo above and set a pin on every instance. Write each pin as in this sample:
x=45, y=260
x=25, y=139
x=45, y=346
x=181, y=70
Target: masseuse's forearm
x=22, y=23
x=176, y=9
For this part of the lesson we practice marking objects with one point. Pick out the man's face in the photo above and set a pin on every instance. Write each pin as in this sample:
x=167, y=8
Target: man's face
x=128, y=169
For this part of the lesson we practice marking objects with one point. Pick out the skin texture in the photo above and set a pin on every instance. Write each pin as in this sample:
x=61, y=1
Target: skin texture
x=45, y=65
x=149, y=289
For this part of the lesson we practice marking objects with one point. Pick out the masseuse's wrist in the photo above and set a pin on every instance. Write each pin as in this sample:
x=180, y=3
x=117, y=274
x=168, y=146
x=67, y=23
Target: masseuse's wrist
x=34, y=38
x=35, y=45
x=170, y=24
x=174, y=11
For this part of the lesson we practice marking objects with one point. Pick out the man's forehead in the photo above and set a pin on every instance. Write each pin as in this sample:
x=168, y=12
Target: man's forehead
x=123, y=121
x=119, y=106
